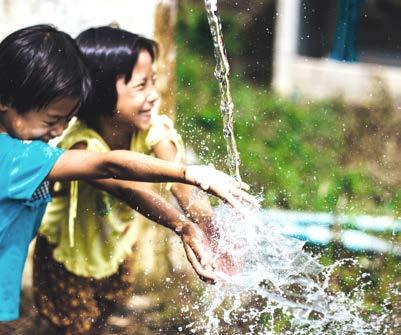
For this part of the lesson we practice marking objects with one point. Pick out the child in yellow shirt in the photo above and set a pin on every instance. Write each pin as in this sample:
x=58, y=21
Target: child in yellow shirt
x=89, y=230
x=43, y=84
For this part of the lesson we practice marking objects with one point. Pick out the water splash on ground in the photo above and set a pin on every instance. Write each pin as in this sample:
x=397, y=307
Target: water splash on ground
x=278, y=284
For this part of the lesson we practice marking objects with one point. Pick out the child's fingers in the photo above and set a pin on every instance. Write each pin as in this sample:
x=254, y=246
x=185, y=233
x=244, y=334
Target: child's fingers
x=229, y=198
x=199, y=252
x=203, y=273
x=240, y=185
x=248, y=198
x=244, y=186
x=233, y=192
x=234, y=201
x=203, y=256
x=237, y=184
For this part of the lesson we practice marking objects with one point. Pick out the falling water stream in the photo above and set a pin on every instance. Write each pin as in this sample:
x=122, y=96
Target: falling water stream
x=275, y=281
x=222, y=72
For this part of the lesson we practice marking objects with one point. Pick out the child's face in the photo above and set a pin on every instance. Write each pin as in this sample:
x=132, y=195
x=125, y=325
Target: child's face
x=43, y=124
x=137, y=97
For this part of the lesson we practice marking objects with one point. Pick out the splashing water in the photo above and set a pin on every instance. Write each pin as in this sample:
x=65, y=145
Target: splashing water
x=276, y=281
x=222, y=72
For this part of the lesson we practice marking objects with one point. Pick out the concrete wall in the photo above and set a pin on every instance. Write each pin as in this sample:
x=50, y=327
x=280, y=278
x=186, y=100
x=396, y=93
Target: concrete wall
x=73, y=16
x=316, y=78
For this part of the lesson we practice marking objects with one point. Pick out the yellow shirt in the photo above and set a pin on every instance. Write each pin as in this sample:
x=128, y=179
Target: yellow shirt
x=93, y=231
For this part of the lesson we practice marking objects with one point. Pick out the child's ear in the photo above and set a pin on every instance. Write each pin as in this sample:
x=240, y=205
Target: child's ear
x=120, y=84
x=3, y=108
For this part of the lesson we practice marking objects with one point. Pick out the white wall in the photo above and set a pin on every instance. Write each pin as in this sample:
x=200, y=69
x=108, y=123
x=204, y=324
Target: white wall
x=285, y=44
x=74, y=16
x=314, y=78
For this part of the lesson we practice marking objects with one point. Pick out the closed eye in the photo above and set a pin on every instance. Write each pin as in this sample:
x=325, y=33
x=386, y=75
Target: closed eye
x=140, y=85
x=50, y=123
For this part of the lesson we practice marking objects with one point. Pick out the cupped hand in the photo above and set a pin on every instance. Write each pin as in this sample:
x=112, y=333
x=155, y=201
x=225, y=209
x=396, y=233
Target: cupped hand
x=198, y=251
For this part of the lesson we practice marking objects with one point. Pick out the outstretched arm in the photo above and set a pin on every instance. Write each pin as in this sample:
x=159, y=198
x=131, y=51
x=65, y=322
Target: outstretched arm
x=154, y=207
x=198, y=209
x=122, y=164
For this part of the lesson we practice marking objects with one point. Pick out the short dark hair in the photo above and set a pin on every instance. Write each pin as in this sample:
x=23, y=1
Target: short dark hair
x=38, y=65
x=109, y=53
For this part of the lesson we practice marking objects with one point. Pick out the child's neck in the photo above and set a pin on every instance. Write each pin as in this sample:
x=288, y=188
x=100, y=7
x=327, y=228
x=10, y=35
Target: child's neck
x=2, y=127
x=115, y=135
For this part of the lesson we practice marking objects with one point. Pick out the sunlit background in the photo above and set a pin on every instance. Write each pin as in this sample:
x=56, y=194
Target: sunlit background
x=317, y=93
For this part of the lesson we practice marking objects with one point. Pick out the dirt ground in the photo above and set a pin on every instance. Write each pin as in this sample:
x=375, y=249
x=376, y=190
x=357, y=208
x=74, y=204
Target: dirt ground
x=143, y=318
x=155, y=310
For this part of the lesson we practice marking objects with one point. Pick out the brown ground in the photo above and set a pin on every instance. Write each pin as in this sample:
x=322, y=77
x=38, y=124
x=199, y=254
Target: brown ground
x=144, y=318
x=155, y=310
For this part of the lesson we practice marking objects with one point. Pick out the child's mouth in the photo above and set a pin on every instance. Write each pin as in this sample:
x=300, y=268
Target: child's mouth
x=145, y=114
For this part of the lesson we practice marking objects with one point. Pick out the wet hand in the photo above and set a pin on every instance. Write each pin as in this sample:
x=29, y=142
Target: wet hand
x=221, y=185
x=197, y=251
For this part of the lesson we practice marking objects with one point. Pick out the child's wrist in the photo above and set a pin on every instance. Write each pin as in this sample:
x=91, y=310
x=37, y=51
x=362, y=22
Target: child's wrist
x=186, y=176
x=190, y=175
x=178, y=225
x=183, y=227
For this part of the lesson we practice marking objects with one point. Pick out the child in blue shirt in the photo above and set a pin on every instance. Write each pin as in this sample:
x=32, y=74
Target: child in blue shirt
x=43, y=84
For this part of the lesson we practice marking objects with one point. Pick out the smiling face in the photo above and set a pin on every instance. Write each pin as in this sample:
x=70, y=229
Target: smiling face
x=43, y=124
x=136, y=98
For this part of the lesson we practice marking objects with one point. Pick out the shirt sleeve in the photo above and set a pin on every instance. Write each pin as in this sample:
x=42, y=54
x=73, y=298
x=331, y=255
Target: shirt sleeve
x=163, y=129
x=29, y=165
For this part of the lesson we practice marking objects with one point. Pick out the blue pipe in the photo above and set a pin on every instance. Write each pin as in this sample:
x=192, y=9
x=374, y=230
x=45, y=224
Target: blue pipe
x=316, y=228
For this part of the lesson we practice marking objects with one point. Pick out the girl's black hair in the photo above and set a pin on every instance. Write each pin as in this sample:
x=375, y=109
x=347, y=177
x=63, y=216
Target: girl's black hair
x=109, y=53
x=38, y=65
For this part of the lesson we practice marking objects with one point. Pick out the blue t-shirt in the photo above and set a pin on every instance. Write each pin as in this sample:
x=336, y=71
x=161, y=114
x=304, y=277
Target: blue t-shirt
x=24, y=194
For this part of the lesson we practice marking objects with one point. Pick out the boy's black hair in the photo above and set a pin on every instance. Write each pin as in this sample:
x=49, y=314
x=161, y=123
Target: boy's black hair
x=109, y=53
x=38, y=65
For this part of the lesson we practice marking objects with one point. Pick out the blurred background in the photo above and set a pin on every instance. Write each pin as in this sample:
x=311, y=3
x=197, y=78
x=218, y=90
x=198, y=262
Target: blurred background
x=317, y=93
x=316, y=87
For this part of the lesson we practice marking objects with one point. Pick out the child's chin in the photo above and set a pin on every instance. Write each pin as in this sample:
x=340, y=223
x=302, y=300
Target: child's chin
x=143, y=125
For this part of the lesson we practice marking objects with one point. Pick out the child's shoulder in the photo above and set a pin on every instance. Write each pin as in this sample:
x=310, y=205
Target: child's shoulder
x=161, y=125
x=9, y=140
x=162, y=128
x=10, y=145
x=162, y=120
x=80, y=132
x=24, y=165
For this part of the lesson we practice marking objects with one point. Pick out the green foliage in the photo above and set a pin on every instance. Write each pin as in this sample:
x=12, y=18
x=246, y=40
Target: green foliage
x=309, y=156
x=291, y=153
x=295, y=155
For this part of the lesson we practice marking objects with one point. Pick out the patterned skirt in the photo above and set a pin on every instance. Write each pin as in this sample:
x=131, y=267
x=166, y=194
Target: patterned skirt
x=77, y=305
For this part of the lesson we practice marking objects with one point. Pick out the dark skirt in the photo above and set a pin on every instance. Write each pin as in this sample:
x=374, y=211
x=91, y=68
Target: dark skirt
x=77, y=305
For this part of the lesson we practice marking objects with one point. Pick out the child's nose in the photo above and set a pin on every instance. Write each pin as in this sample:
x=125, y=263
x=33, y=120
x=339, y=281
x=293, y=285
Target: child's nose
x=57, y=130
x=153, y=95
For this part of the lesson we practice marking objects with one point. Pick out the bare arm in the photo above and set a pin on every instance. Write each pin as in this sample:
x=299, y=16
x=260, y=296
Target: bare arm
x=199, y=209
x=154, y=207
x=145, y=201
x=121, y=164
